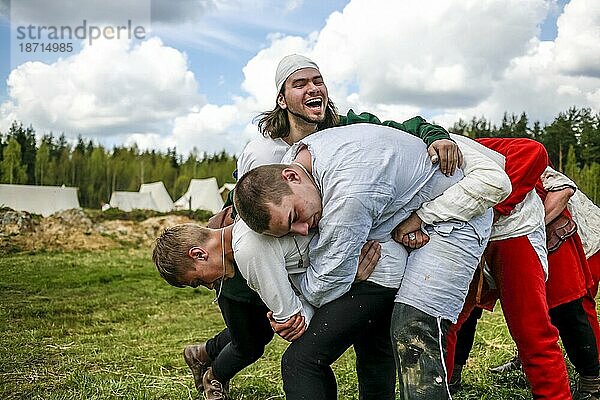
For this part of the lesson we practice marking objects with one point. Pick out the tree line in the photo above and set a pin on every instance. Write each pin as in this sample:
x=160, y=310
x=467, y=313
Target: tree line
x=97, y=171
x=572, y=140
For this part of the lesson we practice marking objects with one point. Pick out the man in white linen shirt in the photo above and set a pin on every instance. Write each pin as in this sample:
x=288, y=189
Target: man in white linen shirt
x=192, y=255
x=368, y=179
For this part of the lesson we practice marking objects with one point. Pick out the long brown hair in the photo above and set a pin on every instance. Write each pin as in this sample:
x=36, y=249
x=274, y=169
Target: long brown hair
x=275, y=123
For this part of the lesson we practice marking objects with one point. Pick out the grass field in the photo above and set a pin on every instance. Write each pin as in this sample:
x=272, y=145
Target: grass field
x=103, y=325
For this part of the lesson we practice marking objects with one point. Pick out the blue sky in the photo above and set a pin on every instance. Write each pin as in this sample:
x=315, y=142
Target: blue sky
x=221, y=78
x=207, y=66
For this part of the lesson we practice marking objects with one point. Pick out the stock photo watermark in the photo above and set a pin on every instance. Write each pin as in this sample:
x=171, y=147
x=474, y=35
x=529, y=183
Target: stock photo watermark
x=32, y=38
x=47, y=31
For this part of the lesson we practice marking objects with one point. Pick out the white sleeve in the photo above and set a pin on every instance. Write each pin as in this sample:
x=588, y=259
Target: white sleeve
x=249, y=159
x=261, y=260
x=259, y=152
x=484, y=185
x=553, y=181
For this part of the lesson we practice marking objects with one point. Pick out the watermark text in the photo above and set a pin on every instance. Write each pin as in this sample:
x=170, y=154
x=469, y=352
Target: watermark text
x=84, y=31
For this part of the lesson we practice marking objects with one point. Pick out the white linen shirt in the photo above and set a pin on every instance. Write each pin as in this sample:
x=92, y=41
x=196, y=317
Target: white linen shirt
x=364, y=197
x=280, y=295
x=271, y=267
x=261, y=151
x=585, y=213
x=261, y=258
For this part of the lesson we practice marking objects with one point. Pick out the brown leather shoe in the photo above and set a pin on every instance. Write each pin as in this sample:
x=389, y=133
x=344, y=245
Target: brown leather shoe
x=198, y=360
x=213, y=389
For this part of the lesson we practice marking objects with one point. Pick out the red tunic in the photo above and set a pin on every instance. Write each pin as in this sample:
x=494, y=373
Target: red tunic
x=526, y=159
x=594, y=264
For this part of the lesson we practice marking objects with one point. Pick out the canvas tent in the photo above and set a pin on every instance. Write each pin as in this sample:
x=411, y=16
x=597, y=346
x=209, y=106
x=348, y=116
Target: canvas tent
x=201, y=194
x=44, y=200
x=128, y=201
x=159, y=193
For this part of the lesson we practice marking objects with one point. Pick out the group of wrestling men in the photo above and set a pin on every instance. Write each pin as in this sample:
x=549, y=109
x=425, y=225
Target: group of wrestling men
x=348, y=231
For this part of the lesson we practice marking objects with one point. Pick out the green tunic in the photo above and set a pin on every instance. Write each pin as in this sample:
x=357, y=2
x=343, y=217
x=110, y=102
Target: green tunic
x=416, y=126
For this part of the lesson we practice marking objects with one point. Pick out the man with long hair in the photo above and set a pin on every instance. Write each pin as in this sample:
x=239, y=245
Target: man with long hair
x=303, y=107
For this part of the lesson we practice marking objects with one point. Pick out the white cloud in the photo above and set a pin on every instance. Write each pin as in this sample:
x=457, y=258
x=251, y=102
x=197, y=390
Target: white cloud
x=207, y=129
x=594, y=99
x=451, y=60
x=399, y=59
x=426, y=53
x=550, y=76
x=291, y=5
x=109, y=88
x=578, y=41
x=210, y=129
x=413, y=54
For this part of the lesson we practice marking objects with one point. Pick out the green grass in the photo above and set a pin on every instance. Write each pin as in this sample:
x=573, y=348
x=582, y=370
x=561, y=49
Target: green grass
x=103, y=325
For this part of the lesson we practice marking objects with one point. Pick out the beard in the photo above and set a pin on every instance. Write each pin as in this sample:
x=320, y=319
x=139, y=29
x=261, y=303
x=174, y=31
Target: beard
x=307, y=119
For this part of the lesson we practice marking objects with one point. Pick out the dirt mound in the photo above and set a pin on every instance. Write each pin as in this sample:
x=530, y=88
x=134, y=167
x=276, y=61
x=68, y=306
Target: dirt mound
x=73, y=230
x=15, y=222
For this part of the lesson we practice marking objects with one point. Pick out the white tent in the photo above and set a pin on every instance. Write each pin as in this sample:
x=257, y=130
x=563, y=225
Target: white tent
x=128, y=201
x=201, y=194
x=160, y=195
x=44, y=200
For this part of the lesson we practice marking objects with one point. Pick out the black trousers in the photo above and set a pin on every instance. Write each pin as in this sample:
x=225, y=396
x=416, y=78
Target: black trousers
x=243, y=342
x=466, y=336
x=577, y=336
x=361, y=318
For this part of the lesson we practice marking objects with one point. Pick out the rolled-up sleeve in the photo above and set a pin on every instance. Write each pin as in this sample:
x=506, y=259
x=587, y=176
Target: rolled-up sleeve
x=553, y=181
x=261, y=261
x=484, y=185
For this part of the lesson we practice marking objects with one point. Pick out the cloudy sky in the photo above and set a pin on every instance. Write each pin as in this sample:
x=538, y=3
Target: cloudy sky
x=205, y=68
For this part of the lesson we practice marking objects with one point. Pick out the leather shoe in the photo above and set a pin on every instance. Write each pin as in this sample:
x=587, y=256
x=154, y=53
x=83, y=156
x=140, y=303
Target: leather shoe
x=513, y=365
x=213, y=389
x=199, y=362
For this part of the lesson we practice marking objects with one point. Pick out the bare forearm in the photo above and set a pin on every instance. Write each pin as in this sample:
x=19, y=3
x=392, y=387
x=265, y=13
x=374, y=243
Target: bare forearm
x=556, y=202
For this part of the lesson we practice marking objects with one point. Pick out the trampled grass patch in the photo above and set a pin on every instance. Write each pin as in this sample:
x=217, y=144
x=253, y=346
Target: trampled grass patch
x=103, y=325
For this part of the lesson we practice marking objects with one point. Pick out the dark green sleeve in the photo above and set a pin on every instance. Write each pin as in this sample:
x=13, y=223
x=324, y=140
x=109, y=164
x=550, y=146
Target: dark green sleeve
x=416, y=126
x=229, y=202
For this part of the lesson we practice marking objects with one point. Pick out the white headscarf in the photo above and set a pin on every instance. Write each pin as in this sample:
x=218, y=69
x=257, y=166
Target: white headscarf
x=290, y=64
